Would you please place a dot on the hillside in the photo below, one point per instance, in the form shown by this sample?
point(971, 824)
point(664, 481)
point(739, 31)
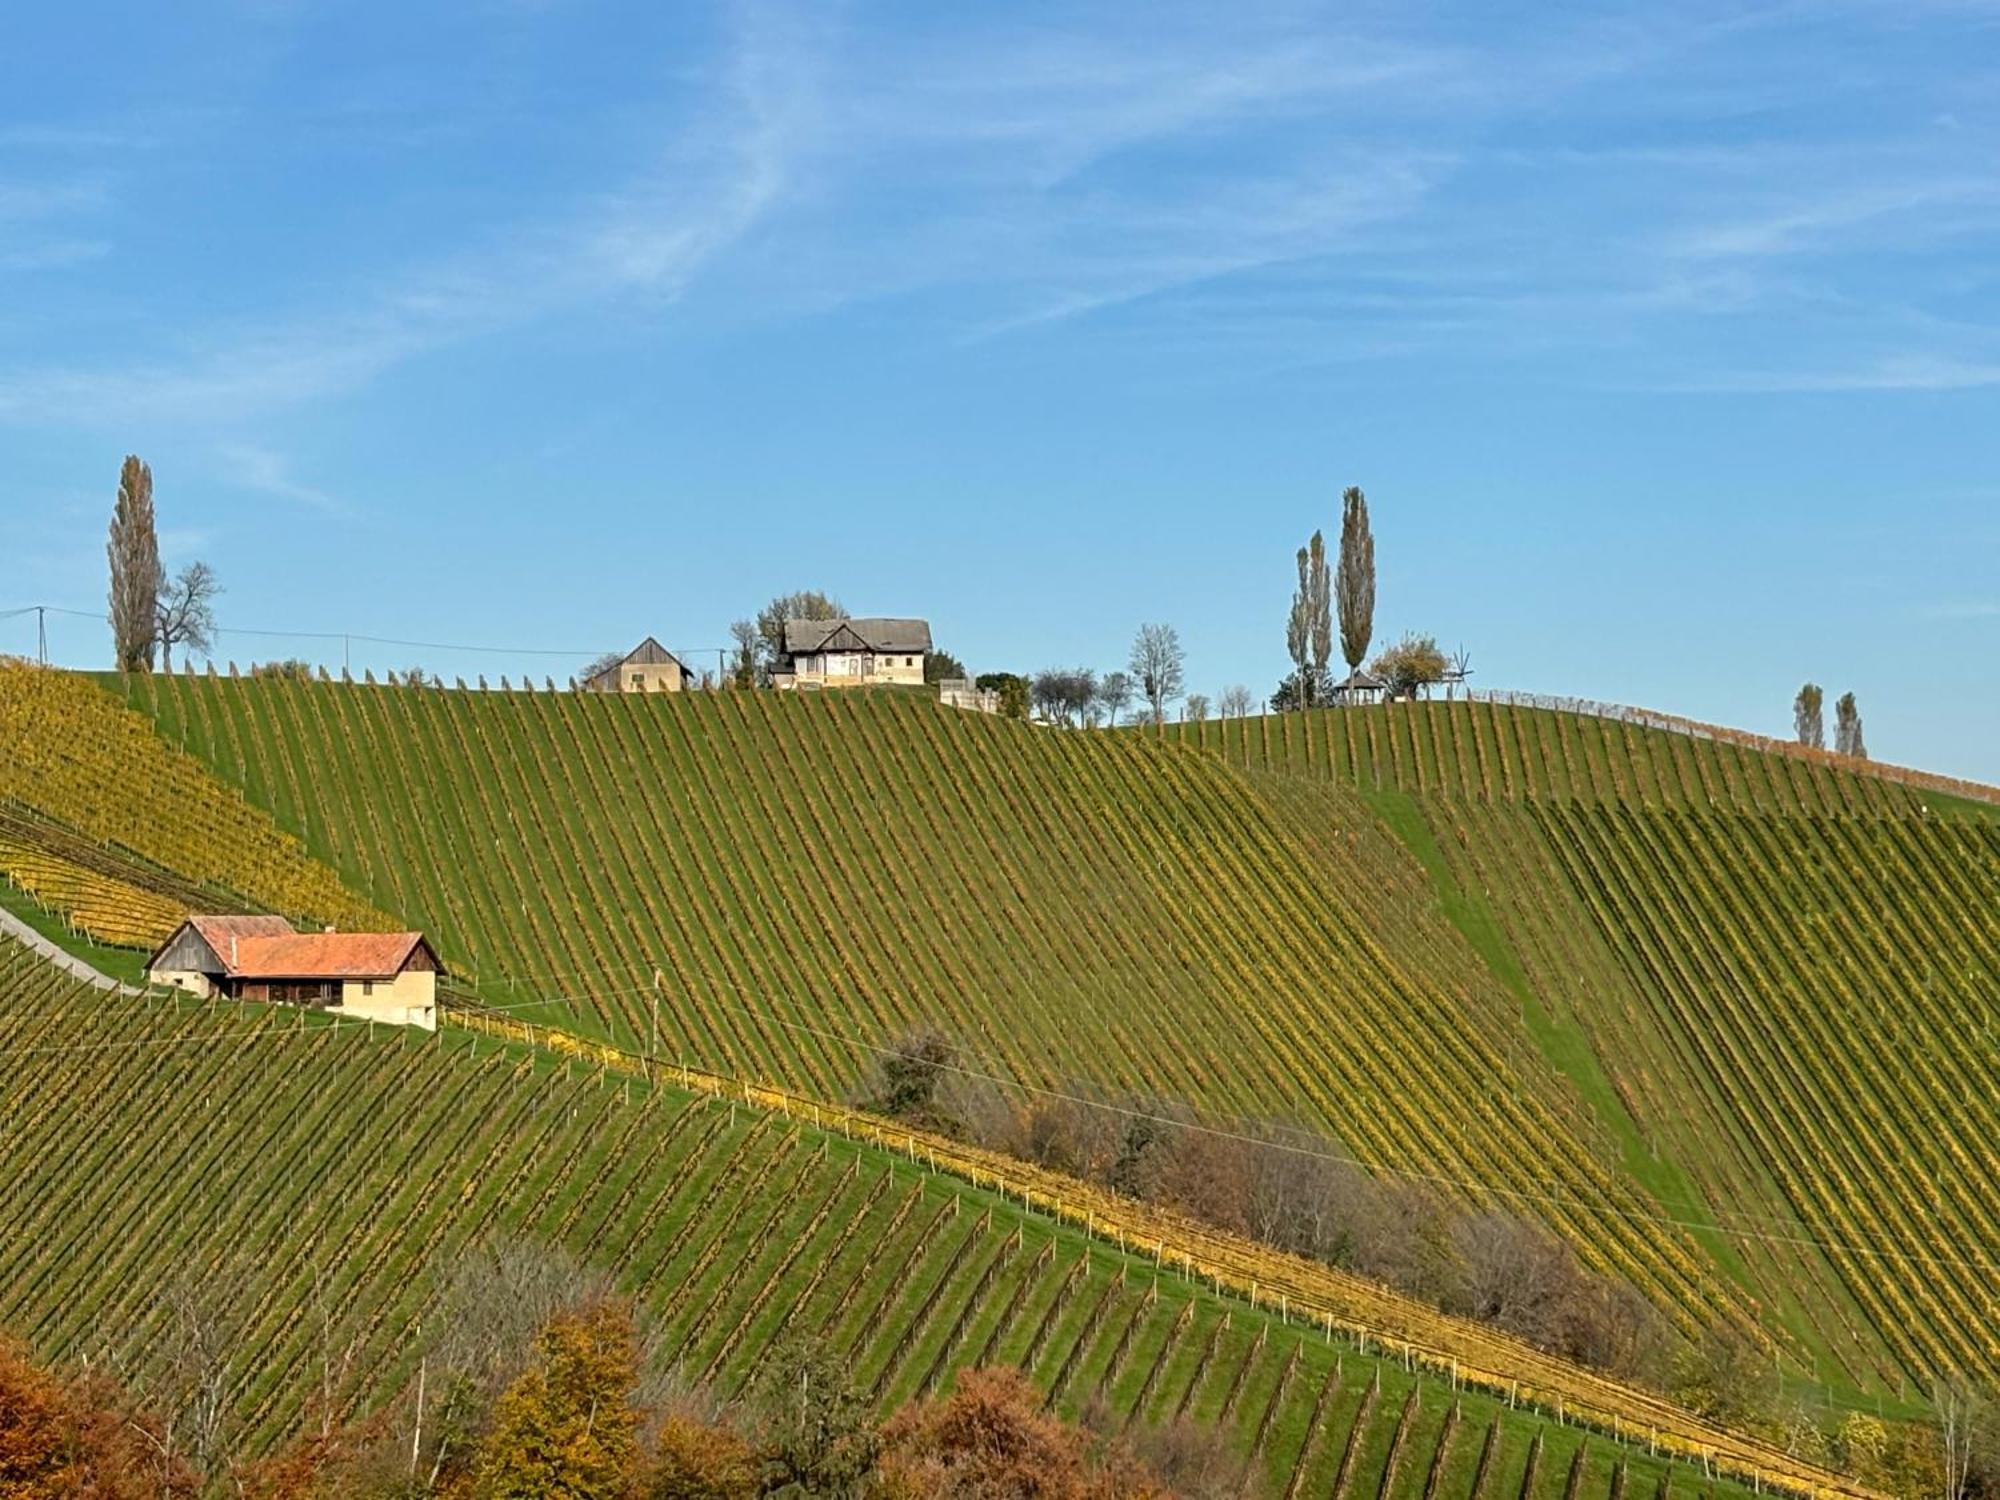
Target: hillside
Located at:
point(1784, 975)
point(105, 823)
point(1722, 1017)
point(248, 1146)
point(809, 876)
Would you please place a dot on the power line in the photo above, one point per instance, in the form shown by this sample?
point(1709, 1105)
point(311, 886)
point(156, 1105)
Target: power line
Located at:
point(373, 640)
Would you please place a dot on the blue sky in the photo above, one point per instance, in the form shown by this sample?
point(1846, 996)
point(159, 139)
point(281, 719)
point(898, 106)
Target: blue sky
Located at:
point(1665, 340)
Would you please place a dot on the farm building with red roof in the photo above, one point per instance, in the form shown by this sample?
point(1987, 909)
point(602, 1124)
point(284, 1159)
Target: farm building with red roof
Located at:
point(382, 976)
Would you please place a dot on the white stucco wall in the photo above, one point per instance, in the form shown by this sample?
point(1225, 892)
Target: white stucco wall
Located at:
point(410, 999)
point(183, 979)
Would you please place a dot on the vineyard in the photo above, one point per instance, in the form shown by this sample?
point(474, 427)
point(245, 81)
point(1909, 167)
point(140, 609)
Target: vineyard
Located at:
point(1792, 968)
point(105, 822)
point(147, 1140)
point(779, 883)
point(1722, 1017)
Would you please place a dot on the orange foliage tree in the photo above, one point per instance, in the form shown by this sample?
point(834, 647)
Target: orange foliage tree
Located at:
point(66, 1437)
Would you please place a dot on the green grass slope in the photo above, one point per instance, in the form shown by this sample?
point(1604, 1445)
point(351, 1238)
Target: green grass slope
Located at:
point(317, 1166)
point(1775, 979)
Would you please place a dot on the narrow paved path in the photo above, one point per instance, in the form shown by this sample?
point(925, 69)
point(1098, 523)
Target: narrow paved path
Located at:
point(14, 927)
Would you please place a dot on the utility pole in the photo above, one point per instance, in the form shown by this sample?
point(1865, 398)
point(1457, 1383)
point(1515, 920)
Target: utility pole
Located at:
point(42, 633)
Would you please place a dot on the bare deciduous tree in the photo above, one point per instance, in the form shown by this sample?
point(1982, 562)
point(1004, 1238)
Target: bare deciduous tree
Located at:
point(1114, 691)
point(1309, 628)
point(1847, 728)
point(804, 604)
point(185, 612)
point(597, 666)
point(1354, 583)
point(744, 646)
point(494, 1300)
point(1808, 719)
point(1236, 701)
point(1160, 667)
point(1197, 708)
point(134, 553)
point(1968, 1432)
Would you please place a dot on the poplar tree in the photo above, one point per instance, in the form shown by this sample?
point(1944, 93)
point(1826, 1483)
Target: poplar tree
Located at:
point(1354, 582)
point(1808, 719)
point(1309, 629)
point(134, 553)
point(1847, 728)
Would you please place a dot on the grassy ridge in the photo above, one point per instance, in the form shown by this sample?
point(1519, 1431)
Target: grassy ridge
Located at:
point(809, 875)
point(254, 1144)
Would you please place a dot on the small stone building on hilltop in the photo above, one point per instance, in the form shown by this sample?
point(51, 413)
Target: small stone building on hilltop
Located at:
point(648, 667)
point(852, 653)
point(378, 976)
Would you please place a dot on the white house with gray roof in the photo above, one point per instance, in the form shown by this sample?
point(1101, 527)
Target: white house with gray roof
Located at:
point(852, 653)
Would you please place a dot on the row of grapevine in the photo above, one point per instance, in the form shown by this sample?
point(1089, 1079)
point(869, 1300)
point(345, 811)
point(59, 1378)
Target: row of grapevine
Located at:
point(1510, 752)
point(770, 886)
point(323, 1172)
point(74, 755)
point(108, 909)
point(1847, 1022)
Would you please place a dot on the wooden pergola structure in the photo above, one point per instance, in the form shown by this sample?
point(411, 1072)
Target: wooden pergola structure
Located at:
point(1359, 687)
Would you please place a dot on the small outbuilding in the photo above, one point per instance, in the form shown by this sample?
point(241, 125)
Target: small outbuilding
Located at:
point(1359, 687)
point(379, 976)
point(648, 667)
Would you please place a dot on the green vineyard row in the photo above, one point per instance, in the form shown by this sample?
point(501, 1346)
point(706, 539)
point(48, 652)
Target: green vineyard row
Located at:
point(773, 886)
point(313, 1165)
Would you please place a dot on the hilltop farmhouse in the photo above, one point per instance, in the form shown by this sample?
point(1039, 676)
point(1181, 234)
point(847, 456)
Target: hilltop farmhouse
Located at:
point(379, 976)
point(648, 667)
point(852, 653)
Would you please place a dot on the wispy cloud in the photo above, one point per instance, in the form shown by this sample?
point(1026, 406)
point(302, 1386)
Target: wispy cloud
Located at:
point(268, 473)
point(27, 201)
point(1911, 372)
point(52, 255)
point(650, 237)
point(1899, 207)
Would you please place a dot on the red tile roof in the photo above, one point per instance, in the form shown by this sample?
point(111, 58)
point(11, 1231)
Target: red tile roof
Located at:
point(323, 955)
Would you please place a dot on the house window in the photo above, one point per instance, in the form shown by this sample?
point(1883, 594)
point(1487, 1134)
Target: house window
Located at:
point(367, 986)
point(638, 681)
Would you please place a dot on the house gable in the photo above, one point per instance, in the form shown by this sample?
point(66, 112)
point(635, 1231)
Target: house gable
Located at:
point(186, 952)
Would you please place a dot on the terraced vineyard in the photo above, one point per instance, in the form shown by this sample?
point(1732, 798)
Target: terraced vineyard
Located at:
point(1789, 973)
point(142, 1140)
point(116, 811)
point(808, 876)
point(107, 908)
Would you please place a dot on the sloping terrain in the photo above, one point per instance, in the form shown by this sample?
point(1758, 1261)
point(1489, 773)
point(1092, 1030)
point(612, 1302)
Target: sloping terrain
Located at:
point(105, 822)
point(778, 883)
point(1722, 1017)
point(1786, 974)
point(324, 1173)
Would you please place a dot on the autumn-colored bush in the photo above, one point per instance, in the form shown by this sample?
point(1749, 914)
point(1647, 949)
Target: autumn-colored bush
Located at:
point(63, 1437)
